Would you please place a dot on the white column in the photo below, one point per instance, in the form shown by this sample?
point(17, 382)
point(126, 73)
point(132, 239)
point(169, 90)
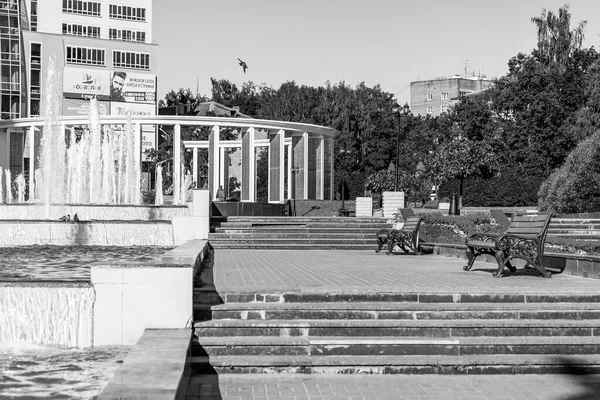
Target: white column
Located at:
point(248, 175)
point(332, 166)
point(321, 169)
point(177, 165)
point(222, 167)
point(289, 170)
point(31, 134)
point(305, 165)
point(213, 162)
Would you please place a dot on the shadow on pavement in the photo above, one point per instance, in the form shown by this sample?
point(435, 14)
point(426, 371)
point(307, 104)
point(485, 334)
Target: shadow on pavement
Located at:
point(586, 377)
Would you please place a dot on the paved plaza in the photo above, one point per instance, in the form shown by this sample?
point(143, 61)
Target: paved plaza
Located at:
point(269, 271)
point(394, 387)
point(362, 271)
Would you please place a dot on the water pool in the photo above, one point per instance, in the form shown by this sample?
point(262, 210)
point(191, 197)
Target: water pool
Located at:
point(50, 373)
point(66, 263)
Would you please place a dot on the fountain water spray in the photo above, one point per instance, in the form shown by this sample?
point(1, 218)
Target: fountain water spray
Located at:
point(1, 187)
point(99, 166)
point(20, 180)
point(8, 181)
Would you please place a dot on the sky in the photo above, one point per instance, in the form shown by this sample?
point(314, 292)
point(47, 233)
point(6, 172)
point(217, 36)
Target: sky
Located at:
point(311, 42)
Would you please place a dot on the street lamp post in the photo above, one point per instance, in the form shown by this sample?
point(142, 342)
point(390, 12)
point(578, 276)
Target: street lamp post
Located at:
point(404, 111)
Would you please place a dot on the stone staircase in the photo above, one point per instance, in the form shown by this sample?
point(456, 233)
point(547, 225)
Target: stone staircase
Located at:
point(315, 233)
point(392, 333)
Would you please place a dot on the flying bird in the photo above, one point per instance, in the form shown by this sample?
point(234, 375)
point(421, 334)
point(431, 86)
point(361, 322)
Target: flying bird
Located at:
point(243, 65)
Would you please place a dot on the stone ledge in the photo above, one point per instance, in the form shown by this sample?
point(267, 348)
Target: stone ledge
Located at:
point(156, 367)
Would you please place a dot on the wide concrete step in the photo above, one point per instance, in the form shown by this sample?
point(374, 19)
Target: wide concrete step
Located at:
point(386, 346)
point(408, 311)
point(313, 225)
point(399, 328)
point(330, 240)
point(300, 219)
point(296, 230)
point(434, 364)
point(292, 246)
point(277, 296)
point(294, 235)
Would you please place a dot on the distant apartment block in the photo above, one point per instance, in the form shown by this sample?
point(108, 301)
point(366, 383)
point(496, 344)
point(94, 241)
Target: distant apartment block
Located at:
point(434, 97)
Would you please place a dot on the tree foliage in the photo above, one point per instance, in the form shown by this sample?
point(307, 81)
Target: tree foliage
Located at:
point(556, 40)
point(575, 187)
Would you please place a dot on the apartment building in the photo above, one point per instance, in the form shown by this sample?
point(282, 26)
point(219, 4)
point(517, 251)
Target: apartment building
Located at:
point(100, 48)
point(91, 42)
point(434, 97)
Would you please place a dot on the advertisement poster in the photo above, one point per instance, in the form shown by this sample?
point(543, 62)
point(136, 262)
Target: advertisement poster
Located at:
point(84, 83)
point(133, 109)
point(148, 139)
point(82, 107)
point(132, 87)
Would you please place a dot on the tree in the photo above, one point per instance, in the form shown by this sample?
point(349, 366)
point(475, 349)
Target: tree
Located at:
point(556, 40)
point(575, 187)
point(470, 143)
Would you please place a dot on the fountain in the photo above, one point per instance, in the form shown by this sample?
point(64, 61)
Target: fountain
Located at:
point(99, 166)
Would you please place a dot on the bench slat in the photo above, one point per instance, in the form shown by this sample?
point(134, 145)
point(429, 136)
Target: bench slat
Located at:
point(524, 231)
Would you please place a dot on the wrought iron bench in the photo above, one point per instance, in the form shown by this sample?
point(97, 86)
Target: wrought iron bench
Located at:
point(524, 238)
point(407, 237)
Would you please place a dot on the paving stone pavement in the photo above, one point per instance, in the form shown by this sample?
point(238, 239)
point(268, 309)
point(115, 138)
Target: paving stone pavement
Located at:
point(335, 271)
point(362, 271)
point(393, 387)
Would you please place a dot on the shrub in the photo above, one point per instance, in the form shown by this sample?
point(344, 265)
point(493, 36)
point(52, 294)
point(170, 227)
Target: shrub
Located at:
point(514, 187)
point(575, 187)
point(439, 228)
point(148, 196)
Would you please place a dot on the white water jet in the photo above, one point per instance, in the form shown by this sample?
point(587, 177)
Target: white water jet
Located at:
point(8, 181)
point(20, 180)
point(53, 155)
point(1, 187)
point(31, 315)
point(85, 171)
point(158, 198)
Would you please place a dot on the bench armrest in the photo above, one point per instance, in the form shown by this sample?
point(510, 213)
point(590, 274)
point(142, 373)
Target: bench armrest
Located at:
point(524, 237)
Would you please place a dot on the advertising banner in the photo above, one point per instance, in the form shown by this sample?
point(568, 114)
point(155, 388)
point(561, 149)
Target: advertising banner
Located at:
point(148, 139)
point(132, 87)
point(84, 83)
point(133, 109)
point(82, 107)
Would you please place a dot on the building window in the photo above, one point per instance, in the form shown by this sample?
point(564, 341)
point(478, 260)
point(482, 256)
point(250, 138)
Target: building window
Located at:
point(464, 92)
point(131, 59)
point(85, 55)
point(444, 96)
point(429, 97)
point(127, 35)
point(444, 108)
point(429, 109)
point(82, 7)
point(81, 30)
point(127, 12)
point(34, 21)
point(9, 4)
point(35, 93)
